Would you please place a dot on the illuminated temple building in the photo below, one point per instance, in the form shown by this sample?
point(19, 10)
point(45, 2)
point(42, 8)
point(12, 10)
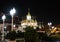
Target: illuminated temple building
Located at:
point(29, 21)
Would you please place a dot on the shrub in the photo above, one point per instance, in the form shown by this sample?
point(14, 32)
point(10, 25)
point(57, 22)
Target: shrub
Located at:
point(11, 35)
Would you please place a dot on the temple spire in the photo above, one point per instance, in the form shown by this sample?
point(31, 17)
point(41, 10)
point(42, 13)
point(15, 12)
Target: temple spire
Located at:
point(28, 12)
point(28, 15)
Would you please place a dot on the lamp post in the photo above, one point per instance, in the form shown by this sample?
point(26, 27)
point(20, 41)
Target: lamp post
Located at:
point(49, 24)
point(12, 12)
point(3, 18)
point(49, 31)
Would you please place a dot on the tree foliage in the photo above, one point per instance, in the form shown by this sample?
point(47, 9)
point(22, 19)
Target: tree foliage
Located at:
point(31, 35)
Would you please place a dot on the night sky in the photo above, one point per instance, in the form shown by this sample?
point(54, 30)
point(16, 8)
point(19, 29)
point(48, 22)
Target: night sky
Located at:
point(46, 11)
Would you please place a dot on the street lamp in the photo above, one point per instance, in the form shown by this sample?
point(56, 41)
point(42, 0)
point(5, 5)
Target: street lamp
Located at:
point(49, 24)
point(12, 12)
point(3, 18)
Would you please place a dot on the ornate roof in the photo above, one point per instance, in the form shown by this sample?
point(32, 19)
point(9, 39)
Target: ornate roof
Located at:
point(28, 20)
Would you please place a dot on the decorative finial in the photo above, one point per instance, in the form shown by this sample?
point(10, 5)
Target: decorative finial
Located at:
point(28, 9)
point(28, 12)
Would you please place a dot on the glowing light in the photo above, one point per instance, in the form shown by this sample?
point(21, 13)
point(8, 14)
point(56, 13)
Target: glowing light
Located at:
point(12, 12)
point(50, 24)
point(3, 17)
point(14, 25)
point(28, 17)
point(52, 27)
point(5, 27)
point(34, 27)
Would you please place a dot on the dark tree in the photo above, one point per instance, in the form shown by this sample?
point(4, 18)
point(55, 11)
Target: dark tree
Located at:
point(31, 35)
